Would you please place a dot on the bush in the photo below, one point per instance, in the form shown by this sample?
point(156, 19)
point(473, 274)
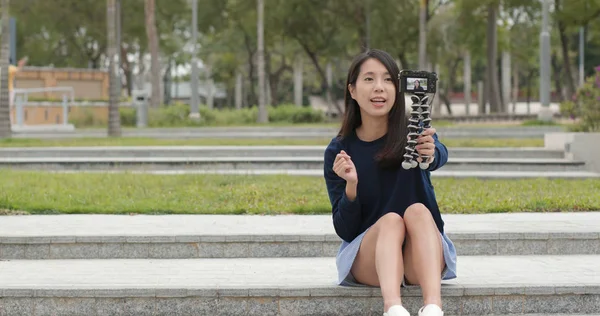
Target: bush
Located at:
point(128, 116)
point(85, 117)
point(538, 123)
point(293, 114)
point(585, 105)
point(177, 115)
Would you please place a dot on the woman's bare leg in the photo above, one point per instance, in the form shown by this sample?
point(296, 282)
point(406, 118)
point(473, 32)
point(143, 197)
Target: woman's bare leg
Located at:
point(379, 261)
point(423, 253)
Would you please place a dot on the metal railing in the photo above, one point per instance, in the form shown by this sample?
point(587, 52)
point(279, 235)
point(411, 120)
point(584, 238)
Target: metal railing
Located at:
point(22, 95)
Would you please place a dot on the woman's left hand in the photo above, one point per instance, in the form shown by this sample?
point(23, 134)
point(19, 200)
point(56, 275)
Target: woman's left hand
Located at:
point(426, 144)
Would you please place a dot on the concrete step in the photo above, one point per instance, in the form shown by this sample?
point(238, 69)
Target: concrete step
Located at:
point(248, 151)
point(43, 128)
point(319, 173)
point(269, 163)
point(289, 132)
point(287, 286)
point(245, 236)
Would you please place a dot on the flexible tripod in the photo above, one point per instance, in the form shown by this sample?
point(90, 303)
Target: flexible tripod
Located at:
point(420, 119)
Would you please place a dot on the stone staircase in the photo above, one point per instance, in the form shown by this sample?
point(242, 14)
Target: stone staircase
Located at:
point(286, 132)
point(508, 264)
point(306, 160)
point(249, 151)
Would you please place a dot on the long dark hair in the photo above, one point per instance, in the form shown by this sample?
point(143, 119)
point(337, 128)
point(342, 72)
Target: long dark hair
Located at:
point(391, 154)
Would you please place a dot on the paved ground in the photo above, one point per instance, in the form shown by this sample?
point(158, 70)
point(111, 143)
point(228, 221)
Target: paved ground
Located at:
point(501, 284)
point(220, 225)
point(553, 271)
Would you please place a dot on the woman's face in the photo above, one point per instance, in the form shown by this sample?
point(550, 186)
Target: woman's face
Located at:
point(417, 83)
point(374, 90)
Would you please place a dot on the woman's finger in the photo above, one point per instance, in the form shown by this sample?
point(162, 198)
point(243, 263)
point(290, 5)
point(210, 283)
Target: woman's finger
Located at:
point(426, 146)
point(341, 166)
point(429, 131)
point(426, 139)
point(341, 170)
point(338, 164)
point(337, 170)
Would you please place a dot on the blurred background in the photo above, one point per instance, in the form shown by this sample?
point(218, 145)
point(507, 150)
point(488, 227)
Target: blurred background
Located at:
point(169, 63)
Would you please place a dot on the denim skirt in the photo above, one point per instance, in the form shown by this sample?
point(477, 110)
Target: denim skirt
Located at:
point(348, 251)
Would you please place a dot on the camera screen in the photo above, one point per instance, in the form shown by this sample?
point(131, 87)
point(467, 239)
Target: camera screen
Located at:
point(416, 84)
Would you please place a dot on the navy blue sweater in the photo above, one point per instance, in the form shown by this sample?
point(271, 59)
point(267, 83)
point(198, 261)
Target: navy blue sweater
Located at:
point(379, 191)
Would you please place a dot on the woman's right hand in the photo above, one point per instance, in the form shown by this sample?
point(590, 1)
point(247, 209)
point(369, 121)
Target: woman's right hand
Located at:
point(344, 167)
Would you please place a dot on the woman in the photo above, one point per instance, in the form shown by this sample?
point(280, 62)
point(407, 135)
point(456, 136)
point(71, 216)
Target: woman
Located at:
point(418, 86)
point(387, 217)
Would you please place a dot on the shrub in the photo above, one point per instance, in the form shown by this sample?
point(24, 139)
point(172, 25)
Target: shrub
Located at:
point(538, 123)
point(290, 113)
point(85, 117)
point(128, 116)
point(177, 115)
point(585, 105)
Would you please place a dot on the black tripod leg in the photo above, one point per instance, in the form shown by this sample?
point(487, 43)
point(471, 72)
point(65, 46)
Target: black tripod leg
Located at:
point(413, 128)
point(426, 117)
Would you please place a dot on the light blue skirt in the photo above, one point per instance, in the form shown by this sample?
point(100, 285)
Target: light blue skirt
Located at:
point(347, 253)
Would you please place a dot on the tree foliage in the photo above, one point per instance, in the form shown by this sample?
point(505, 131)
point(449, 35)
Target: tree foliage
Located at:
point(71, 33)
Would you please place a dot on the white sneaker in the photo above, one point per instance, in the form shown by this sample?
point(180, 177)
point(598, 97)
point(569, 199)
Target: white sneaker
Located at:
point(431, 310)
point(397, 310)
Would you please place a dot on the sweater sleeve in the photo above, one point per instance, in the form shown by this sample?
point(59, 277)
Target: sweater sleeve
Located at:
point(441, 154)
point(346, 214)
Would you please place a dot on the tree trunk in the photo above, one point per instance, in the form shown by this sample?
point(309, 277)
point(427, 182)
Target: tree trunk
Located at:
point(515, 89)
point(324, 85)
point(529, 81)
point(467, 81)
point(168, 83)
point(5, 129)
point(367, 24)
point(249, 94)
point(481, 96)
point(565, 52)
point(262, 109)
point(506, 69)
point(492, 56)
point(269, 82)
point(453, 67)
point(114, 119)
point(423, 35)
point(298, 72)
point(141, 76)
point(557, 75)
point(209, 84)
point(239, 83)
point(127, 70)
point(152, 35)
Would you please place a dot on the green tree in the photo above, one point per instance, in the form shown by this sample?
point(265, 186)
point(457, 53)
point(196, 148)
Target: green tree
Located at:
point(53, 35)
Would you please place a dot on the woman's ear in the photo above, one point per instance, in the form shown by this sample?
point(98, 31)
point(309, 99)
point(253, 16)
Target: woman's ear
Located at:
point(352, 90)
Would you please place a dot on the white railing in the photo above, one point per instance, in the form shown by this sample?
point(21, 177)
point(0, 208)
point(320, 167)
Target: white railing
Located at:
point(22, 95)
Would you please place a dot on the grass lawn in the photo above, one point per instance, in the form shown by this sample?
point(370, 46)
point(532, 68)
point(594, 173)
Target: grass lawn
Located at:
point(450, 142)
point(48, 193)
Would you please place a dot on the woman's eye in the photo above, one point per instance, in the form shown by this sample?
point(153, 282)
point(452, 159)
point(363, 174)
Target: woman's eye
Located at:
point(388, 79)
point(368, 79)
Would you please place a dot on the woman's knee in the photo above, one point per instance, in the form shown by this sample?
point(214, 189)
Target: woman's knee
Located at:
point(417, 214)
point(391, 222)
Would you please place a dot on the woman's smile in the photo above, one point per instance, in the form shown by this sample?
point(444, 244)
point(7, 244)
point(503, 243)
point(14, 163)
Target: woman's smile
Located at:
point(378, 102)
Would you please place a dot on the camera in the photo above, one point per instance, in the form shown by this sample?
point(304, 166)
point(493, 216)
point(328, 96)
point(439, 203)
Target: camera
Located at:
point(412, 81)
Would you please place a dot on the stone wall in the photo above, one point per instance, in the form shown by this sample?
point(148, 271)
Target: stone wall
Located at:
point(45, 113)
